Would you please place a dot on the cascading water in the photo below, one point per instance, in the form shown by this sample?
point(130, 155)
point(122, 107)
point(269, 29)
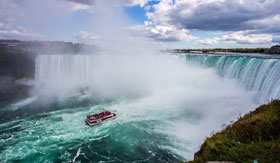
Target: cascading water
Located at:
point(255, 74)
point(165, 106)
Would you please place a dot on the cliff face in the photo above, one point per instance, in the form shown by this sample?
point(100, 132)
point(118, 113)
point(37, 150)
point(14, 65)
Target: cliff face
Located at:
point(256, 136)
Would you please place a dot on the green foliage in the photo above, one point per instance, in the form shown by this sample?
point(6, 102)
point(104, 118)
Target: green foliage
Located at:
point(256, 136)
point(234, 50)
point(273, 50)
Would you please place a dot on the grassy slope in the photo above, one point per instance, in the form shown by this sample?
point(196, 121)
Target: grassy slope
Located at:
point(256, 136)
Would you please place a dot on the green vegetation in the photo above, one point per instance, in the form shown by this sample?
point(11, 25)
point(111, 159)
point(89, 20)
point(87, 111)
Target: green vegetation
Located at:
point(256, 136)
point(234, 50)
point(273, 50)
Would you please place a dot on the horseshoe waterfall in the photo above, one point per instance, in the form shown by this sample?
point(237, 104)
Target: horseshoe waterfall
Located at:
point(162, 102)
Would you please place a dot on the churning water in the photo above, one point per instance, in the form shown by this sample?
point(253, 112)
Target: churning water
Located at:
point(166, 106)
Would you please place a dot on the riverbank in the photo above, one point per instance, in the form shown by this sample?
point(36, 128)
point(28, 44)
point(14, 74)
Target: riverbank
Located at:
point(256, 136)
point(272, 50)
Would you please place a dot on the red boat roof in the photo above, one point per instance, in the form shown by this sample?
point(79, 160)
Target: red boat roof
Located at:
point(99, 115)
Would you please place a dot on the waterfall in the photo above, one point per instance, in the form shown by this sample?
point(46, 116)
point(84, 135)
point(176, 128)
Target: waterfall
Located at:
point(255, 74)
point(76, 67)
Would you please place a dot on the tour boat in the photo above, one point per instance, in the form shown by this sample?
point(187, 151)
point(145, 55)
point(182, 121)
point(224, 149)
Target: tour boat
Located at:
point(99, 118)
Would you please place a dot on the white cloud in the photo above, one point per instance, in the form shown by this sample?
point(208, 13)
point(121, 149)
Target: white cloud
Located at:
point(247, 21)
point(209, 41)
point(135, 2)
point(276, 39)
point(241, 38)
point(86, 37)
point(20, 34)
point(78, 6)
point(87, 4)
point(44, 16)
point(267, 25)
point(9, 11)
point(215, 15)
point(162, 33)
point(2, 25)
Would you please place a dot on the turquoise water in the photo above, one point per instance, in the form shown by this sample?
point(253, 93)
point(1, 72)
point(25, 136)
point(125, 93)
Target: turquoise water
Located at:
point(62, 136)
point(255, 74)
point(165, 108)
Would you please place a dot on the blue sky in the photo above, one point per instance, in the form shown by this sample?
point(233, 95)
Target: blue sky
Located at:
point(137, 13)
point(176, 24)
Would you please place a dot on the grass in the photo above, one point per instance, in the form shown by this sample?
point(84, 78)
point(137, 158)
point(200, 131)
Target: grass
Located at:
point(256, 136)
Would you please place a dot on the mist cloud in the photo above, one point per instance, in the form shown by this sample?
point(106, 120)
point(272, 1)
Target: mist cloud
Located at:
point(86, 37)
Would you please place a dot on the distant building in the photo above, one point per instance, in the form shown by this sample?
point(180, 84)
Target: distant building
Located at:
point(275, 49)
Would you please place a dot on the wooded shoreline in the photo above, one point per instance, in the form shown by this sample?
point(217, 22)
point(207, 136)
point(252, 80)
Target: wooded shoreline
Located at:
point(272, 50)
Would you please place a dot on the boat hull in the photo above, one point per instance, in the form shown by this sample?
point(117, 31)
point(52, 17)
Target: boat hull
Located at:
point(100, 122)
